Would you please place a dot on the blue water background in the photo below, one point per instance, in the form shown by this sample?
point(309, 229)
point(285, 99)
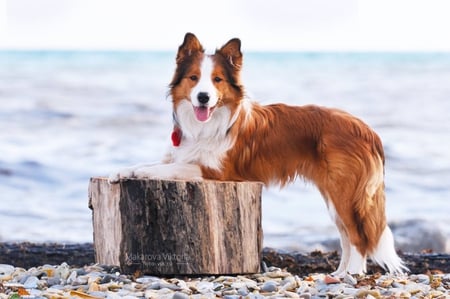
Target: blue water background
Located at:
point(66, 116)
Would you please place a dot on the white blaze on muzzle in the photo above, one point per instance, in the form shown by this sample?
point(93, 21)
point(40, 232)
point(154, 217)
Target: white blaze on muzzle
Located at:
point(204, 95)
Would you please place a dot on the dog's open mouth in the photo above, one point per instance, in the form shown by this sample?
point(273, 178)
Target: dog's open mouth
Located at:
point(203, 113)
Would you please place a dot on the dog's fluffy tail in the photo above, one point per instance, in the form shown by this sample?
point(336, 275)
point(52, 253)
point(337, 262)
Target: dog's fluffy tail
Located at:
point(383, 251)
point(385, 254)
point(379, 241)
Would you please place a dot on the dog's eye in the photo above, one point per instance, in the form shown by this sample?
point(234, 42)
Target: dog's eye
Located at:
point(217, 79)
point(193, 78)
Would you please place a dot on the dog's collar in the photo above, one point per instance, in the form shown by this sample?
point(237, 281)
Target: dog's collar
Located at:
point(177, 134)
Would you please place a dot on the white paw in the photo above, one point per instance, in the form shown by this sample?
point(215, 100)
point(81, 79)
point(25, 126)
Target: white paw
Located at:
point(123, 174)
point(172, 171)
point(169, 172)
point(339, 273)
point(150, 172)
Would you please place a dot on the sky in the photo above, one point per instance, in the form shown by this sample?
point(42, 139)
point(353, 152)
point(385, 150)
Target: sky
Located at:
point(280, 25)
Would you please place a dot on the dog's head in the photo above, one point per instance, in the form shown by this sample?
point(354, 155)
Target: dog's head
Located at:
point(208, 82)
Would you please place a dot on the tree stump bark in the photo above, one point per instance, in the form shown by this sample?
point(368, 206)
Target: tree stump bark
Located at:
point(177, 227)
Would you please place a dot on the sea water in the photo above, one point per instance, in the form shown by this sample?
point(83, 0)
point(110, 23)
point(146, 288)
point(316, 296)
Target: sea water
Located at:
point(67, 116)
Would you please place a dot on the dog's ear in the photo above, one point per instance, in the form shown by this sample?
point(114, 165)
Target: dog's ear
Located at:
point(190, 46)
point(232, 52)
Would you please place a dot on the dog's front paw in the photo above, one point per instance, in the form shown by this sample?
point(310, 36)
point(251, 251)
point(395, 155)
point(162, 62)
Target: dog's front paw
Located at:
point(147, 173)
point(171, 171)
point(123, 174)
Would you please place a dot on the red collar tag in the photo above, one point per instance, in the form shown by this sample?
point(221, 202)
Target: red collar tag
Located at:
point(176, 136)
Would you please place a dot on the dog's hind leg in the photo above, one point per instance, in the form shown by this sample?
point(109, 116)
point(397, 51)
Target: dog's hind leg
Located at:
point(345, 252)
point(349, 189)
point(353, 260)
point(349, 260)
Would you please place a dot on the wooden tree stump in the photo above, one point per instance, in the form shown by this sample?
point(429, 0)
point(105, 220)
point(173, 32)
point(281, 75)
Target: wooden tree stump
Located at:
point(177, 227)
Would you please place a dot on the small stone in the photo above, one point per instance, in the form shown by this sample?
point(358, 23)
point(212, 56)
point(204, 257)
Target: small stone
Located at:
point(336, 288)
point(331, 279)
point(249, 283)
point(238, 284)
point(48, 270)
point(96, 294)
point(57, 287)
point(422, 278)
point(205, 287)
point(290, 294)
point(349, 291)
point(72, 277)
point(269, 286)
point(23, 278)
point(80, 271)
point(180, 295)
point(147, 279)
point(231, 296)
point(19, 273)
point(289, 284)
point(34, 293)
point(397, 285)
point(365, 293)
point(277, 274)
point(305, 296)
point(83, 279)
point(107, 278)
point(31, 282)
point(218, 286)
point(386, 283)
point(181, 285)
point(229, 291)
point(6, 271)
point(303, 287)
point(349, 279)
point(62, 271)
point(243, 291)
point(51, 281)
point(164, 284)
point(53, 292)
point(94, 287)
point(436, 294)
point(155, 285)
point(414, 288)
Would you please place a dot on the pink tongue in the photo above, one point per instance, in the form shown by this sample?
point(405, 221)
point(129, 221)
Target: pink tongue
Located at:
point(202, 113)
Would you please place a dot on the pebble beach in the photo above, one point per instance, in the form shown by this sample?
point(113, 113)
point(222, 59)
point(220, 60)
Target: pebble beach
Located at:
point(96, 281)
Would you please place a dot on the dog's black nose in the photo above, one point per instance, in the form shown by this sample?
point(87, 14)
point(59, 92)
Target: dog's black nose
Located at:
point(203, 97)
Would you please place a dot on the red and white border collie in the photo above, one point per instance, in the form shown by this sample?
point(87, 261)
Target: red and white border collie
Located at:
point(220, 135)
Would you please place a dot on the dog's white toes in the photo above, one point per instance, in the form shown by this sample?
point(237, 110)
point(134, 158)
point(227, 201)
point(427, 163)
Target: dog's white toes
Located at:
point(339, 274)
point(126, 173)
point(145, 173)
point(114, 178)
